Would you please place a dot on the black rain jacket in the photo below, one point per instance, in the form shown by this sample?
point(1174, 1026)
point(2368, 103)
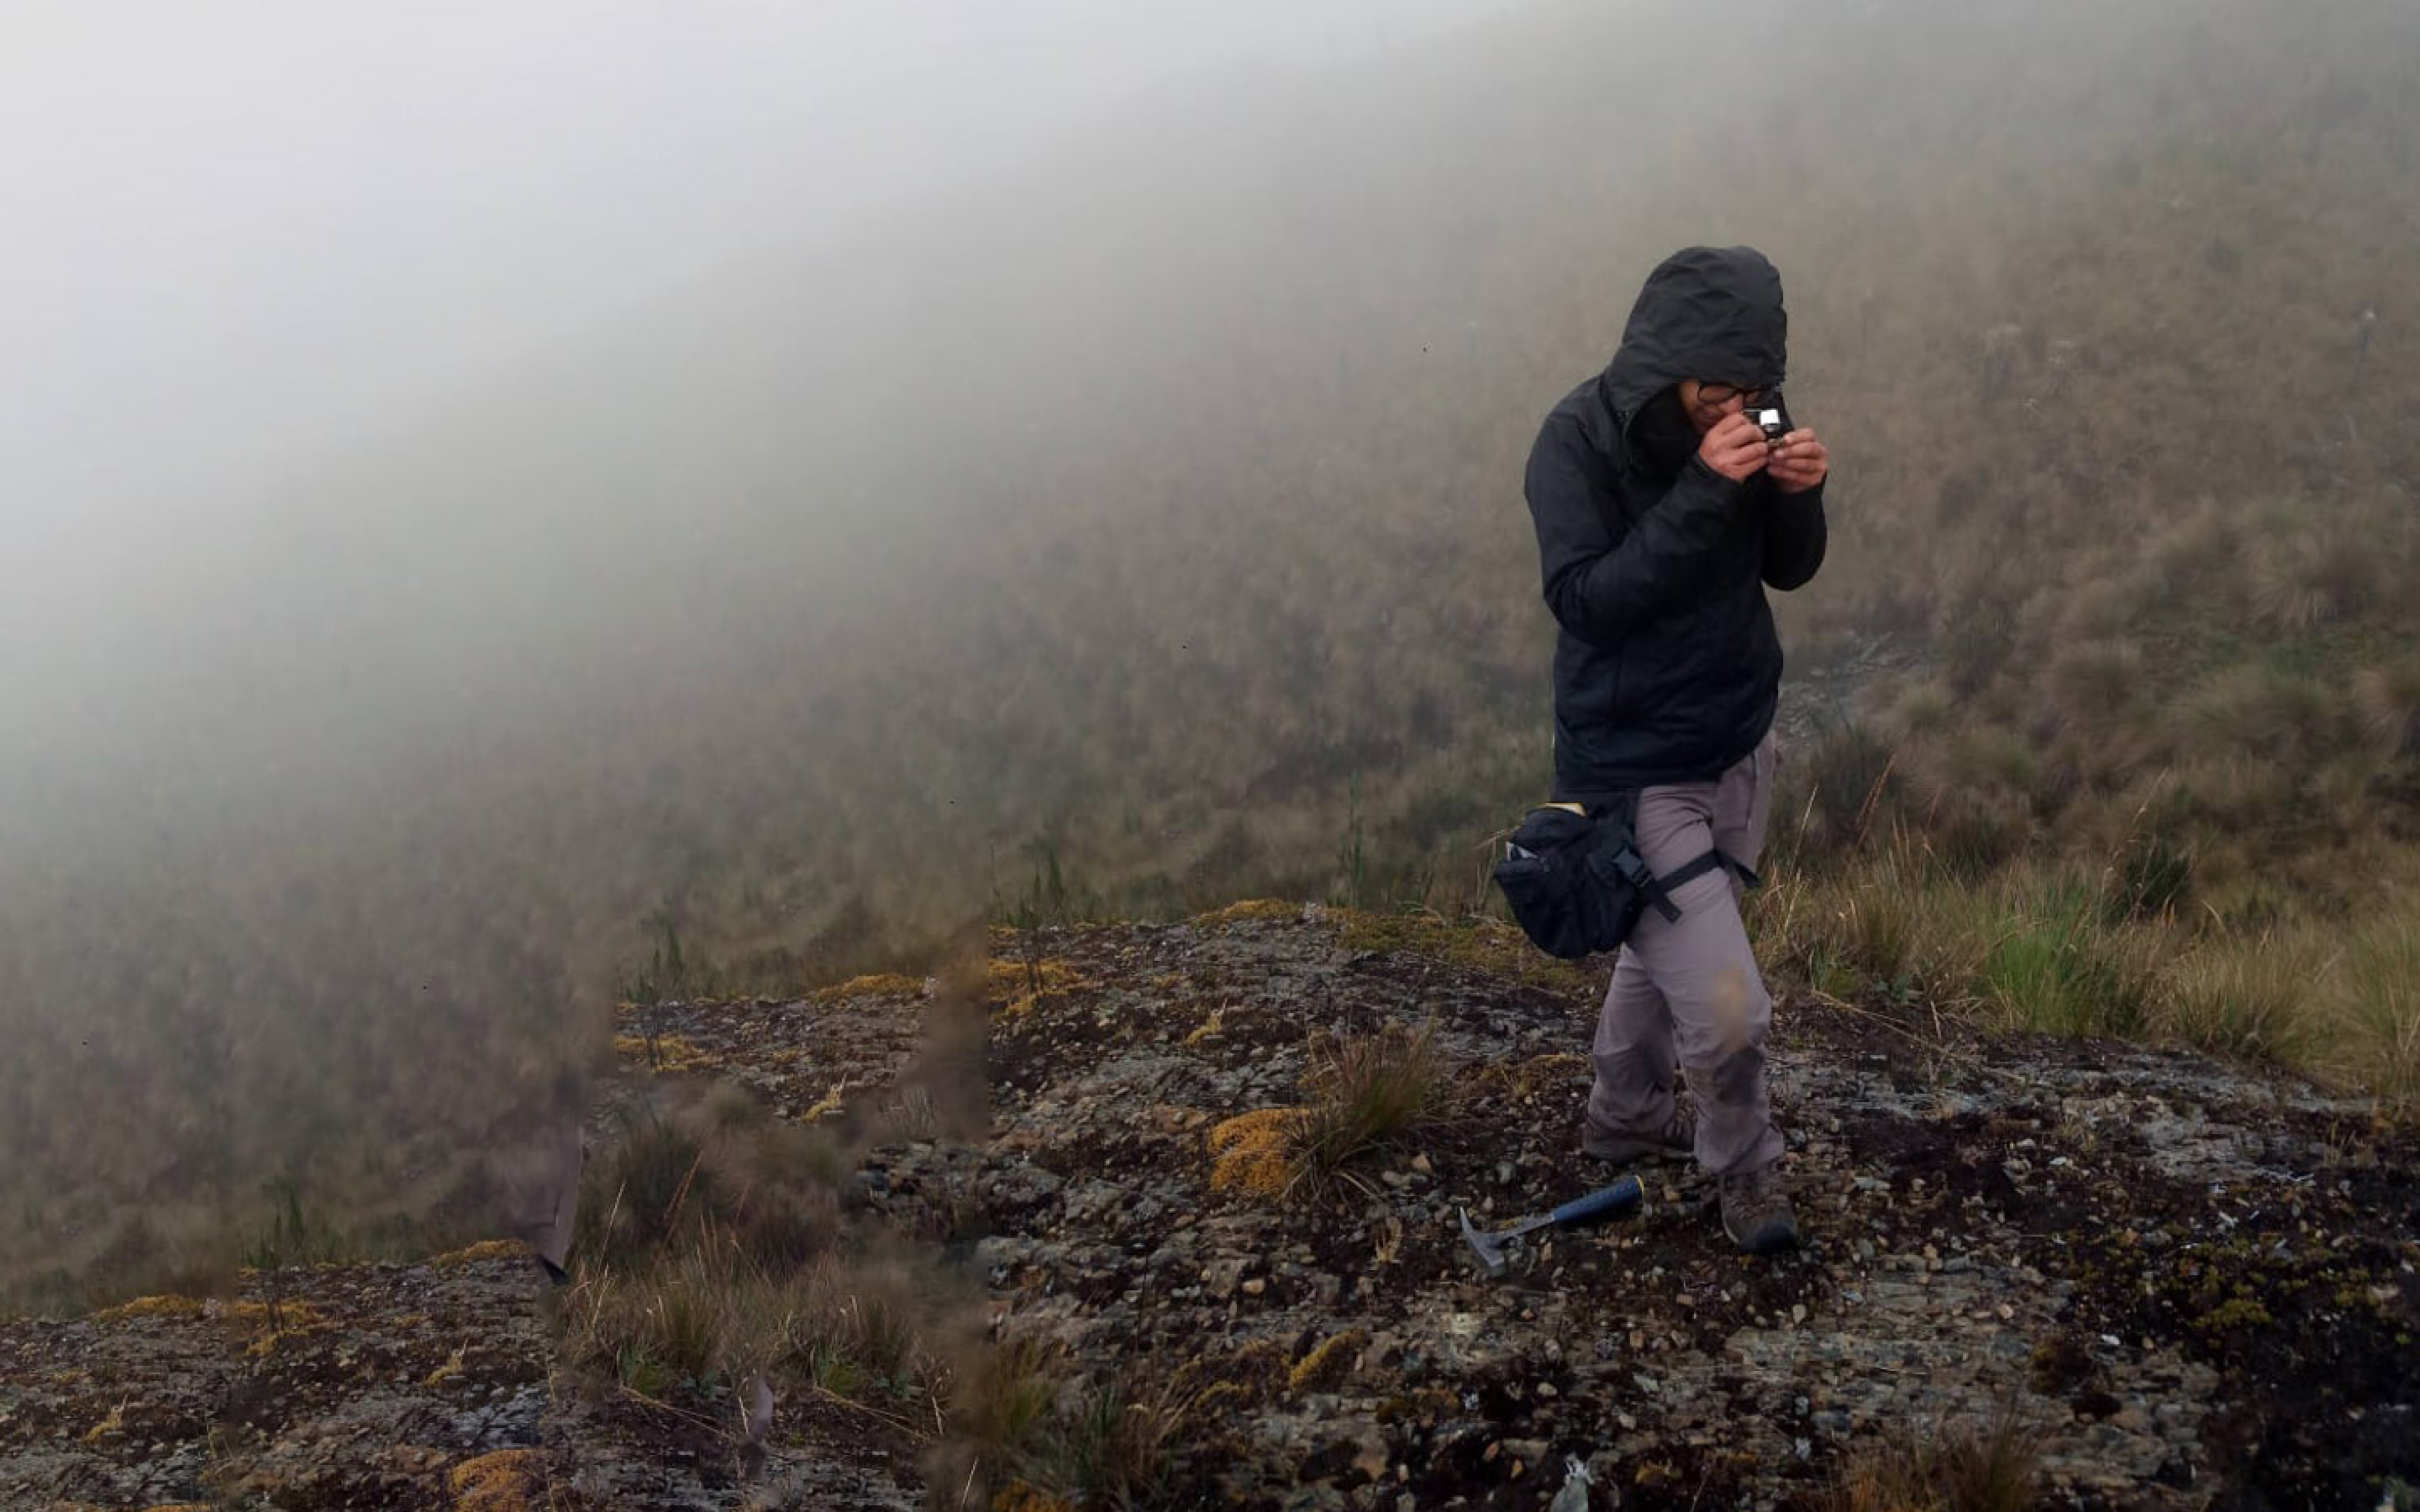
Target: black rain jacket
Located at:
point(1667, 668)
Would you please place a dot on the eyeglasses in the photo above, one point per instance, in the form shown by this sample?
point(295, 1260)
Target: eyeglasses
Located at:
point(1723, 394)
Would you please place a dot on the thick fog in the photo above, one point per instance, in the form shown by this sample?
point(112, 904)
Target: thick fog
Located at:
point(241, 234)
point(488, 488)
point(247, 240)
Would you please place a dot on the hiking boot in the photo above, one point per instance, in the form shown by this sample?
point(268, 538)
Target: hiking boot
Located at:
point(1676, 1140)
point(1756, 1212)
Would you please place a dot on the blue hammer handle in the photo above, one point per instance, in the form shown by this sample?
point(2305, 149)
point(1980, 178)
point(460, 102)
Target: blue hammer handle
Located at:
point(1605, 1202)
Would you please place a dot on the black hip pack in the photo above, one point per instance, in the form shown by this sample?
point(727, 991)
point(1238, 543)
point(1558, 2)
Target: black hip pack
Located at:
point(1577, 885)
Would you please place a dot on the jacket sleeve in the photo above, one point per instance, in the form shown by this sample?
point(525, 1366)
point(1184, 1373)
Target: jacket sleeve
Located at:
point(1601, 578)
point(1795, 534)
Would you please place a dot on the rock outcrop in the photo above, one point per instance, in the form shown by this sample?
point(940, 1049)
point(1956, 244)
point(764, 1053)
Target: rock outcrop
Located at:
point(2184, 1283)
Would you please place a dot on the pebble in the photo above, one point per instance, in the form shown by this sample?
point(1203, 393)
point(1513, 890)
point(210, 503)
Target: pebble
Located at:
point(1903, 1348)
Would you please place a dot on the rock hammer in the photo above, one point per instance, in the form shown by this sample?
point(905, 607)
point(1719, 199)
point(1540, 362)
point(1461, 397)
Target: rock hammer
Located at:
point(1603, 1202)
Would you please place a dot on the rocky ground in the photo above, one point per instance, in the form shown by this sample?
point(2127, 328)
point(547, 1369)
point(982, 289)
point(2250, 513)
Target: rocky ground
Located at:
point(2191, 1285)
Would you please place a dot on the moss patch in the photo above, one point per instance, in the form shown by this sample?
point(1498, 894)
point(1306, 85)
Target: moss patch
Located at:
point(1252, 1154)
point(667, 1054)
point(1016, 986)
point(150, 1307)
point(884, 984)
point(508, 1480)
point(1476, 943)
point(1328, 1363)
point(1252, 910)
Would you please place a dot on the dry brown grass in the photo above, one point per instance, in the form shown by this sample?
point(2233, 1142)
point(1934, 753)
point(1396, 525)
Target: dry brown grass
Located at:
point(1255, 1153)
point(1362, 1093)
point(1367, 1090)
point(2370, 1007)
point(1995, 1468)
point(508, 1480)
point(2250, 996)
point(1027, 1429)
point(702, 1316)
point(2389, 699)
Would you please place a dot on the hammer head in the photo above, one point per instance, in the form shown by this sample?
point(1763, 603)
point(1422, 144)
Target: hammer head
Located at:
point(1490, 1247)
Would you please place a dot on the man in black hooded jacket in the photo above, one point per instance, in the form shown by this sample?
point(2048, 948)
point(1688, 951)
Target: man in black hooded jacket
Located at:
point(1663, 513)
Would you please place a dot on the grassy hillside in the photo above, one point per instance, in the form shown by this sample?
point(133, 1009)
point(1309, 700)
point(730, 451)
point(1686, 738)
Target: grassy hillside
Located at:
point(1174, 551)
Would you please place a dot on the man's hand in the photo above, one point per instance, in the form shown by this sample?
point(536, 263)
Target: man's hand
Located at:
point(1798, 462)
point(1735, 448)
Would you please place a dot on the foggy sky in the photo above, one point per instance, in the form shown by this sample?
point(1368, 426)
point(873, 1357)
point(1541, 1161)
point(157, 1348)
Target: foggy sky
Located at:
point(241, 234)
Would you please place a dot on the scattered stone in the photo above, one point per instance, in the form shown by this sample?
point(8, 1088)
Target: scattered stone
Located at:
point(1353, 1354)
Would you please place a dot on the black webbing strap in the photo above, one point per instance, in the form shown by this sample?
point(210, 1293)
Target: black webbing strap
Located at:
point(1658, 890)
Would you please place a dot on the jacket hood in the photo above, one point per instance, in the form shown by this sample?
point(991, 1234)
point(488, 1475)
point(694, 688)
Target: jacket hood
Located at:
point(1705, 313)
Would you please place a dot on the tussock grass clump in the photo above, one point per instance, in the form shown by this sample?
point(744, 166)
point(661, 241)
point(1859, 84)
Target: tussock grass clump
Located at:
point(697, 1256)
point(2127, 953)
point(1031, 1433)
point(2062, 968)
point(1370, 1089)
point(707, 1164)
point(2389, 699)
point(2093, 683)
point(1896, 919)
point(705, 1314)
point(2151, 878)
point(2267, 711)
point(701, 1318)
point(2307, 573)
point(1924, 709)
point(1848, 777)
point(1364, 1093)
point(2250, 997)
point(710, 1252)
point(2371, 1008)
point(1995, 1468)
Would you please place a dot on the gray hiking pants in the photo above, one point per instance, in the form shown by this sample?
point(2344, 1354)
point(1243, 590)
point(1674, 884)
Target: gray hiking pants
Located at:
point(1687, 989)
